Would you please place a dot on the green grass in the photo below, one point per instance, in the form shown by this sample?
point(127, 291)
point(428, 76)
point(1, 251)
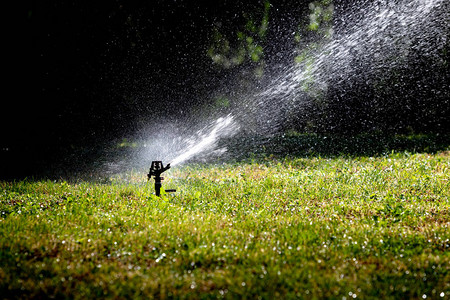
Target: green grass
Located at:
point(361, 227)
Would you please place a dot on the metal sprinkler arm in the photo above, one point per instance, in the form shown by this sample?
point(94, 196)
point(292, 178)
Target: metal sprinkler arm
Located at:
point(156, 169)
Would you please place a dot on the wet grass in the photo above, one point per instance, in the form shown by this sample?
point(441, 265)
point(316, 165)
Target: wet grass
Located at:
point(343, 227)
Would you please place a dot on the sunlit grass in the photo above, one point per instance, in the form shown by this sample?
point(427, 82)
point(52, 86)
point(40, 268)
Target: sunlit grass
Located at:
point(367, 227)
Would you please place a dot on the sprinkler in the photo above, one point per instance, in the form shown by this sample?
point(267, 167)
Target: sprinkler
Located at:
point(155, 170)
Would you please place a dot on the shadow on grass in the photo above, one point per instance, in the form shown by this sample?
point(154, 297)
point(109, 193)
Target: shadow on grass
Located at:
point(310, 145)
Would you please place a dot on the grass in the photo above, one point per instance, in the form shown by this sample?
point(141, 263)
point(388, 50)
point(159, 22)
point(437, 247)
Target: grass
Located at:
point(344, 228)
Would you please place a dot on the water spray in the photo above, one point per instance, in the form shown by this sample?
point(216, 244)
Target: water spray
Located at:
point(156, 169)
point(382, 40)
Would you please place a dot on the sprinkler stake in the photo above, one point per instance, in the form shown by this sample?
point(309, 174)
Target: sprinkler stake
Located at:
point(156, 169)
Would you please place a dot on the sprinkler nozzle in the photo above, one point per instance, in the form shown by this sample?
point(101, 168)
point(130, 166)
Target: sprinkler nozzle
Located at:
point(156, 169)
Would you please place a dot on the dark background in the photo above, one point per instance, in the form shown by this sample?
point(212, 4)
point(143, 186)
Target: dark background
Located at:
point(80, 74)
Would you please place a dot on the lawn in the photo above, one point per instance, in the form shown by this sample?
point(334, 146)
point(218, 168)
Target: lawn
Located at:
point(273, 227)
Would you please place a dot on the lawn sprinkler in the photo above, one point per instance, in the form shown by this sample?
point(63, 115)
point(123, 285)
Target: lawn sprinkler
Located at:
point(155, 170)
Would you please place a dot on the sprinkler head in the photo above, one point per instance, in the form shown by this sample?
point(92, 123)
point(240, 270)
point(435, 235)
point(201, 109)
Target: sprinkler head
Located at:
point(156, 169)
